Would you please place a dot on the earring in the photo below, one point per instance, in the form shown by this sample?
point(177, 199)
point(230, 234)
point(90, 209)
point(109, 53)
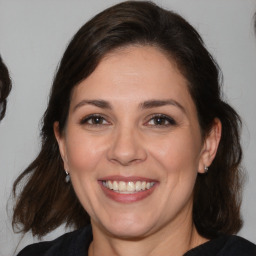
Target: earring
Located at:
point(67, 178)
point(205, 169)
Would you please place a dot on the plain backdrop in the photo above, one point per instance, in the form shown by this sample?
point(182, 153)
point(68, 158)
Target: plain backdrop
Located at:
point(33, 37)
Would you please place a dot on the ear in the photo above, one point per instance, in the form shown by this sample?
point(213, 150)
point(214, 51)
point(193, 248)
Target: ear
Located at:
point(62, 145)
point(210, 146)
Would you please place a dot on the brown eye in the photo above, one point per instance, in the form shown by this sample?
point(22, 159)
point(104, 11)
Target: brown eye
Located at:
point(161, 120)
point(94, 120)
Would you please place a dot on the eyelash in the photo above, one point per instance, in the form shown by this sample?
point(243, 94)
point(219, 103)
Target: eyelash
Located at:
point(162, 118)
point(87, 119)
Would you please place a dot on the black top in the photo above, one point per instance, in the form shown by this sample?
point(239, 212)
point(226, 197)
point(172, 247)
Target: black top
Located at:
point(76, 243)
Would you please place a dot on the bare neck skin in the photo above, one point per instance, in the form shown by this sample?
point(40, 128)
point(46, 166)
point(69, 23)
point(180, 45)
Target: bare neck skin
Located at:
point(174, 239)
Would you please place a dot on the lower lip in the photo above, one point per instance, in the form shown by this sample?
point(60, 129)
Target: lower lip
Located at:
point(127, 198)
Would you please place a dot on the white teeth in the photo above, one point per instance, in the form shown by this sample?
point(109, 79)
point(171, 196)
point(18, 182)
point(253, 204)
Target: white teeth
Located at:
point(138, 185)
point(115, 186)
point(110, 184)
point(122, 186)
point(128, 187)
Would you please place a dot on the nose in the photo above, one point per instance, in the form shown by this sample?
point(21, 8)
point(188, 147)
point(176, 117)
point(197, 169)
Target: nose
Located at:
point(127, 147)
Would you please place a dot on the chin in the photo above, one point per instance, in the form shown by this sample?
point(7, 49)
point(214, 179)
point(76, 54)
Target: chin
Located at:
point(129, 229)
point(129, 234)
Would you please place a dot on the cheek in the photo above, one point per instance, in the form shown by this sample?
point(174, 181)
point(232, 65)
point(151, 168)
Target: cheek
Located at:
point(178, 153)
point(83, 153)
point(178, 158)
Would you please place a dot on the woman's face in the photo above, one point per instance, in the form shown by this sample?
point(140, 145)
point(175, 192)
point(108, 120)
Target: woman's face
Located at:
point(132, 144)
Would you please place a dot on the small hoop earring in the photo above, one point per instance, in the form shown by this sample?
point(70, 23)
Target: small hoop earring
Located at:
point(206, 169)
point(67, 178)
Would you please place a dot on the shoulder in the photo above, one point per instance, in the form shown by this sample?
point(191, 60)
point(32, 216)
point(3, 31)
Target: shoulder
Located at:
point(72, 243)
point(236, 245)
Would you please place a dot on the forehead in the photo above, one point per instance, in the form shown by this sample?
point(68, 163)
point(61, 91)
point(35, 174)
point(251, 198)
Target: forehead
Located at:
point(135, 70)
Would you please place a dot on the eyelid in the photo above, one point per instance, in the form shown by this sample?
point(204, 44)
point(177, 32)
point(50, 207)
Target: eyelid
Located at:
point(84, 120)
point(170, 119)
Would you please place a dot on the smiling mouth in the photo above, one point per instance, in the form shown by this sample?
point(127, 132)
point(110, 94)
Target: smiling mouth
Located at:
point(129, 187)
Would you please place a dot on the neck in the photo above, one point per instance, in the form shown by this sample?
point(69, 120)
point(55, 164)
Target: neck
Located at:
point(169, 240)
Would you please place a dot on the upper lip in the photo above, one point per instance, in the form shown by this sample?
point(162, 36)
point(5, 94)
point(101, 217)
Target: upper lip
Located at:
point(126, 179)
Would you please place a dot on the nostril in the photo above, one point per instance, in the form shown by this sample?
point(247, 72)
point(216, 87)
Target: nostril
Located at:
point(127, 157)
point(126, 148)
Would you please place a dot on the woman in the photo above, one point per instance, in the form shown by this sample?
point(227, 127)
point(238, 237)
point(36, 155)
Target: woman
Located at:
point(5, 87)
point(139, 152)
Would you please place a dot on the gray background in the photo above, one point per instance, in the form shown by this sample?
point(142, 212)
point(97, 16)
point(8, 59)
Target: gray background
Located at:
point(33, 36)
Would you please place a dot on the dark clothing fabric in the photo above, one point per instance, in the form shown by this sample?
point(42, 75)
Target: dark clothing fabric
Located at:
point(77, 243)
point(224, 246)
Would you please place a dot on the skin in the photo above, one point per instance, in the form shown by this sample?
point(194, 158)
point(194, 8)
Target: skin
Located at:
point(128, 140)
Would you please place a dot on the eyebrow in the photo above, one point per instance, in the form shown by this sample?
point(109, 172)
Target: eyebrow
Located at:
point(97, 103)
point(144, 105)
point(160, 103)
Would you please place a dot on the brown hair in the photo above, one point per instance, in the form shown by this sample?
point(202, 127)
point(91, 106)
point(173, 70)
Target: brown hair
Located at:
point(46, 201)
point(5, 87)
